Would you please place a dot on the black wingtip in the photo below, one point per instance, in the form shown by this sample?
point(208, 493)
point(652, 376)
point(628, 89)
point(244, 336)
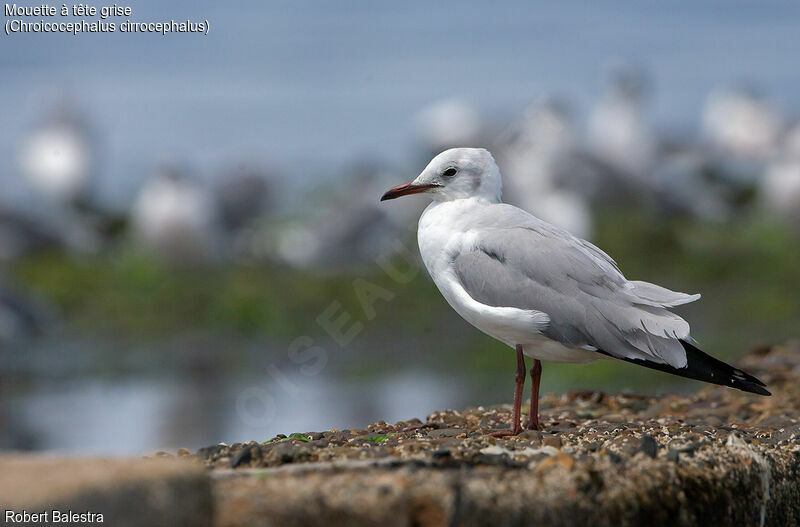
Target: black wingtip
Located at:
point(718, 372)
point(703, 367)
point(758, 389)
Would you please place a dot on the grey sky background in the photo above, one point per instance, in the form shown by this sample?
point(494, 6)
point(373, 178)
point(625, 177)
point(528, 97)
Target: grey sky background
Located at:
point(309, 87)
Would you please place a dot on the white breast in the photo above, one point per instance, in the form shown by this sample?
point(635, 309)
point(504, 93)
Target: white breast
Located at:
point(445, 228)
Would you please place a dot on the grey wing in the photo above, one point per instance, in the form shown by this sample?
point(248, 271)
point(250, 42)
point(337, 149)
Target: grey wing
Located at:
point(588, 300)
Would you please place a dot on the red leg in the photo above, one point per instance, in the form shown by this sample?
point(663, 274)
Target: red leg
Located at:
point(519, 383)
point(536, 376)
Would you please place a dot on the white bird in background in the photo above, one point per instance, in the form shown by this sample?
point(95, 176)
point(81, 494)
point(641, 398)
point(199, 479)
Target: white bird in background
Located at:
point(738, 123)
point(540, 290)
point(58, 158)
point(618, 131)
point(175, 216)
point(534, 162)
point(447, 123)
point(780, 186)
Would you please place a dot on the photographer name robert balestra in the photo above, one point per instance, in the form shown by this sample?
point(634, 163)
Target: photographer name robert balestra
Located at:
point(52, 516)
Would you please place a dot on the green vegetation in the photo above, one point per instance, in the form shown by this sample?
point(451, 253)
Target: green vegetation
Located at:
point(748, 272)
point(136, 295)
point(296, 435)
point(378, 439)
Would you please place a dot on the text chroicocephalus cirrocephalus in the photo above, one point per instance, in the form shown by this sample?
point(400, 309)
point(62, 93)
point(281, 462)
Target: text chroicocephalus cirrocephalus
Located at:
point(547, 294)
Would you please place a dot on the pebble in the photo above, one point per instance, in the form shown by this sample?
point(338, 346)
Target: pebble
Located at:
point(531, 435)
point(649, 446)
point(551, 440)
point(241, 458)
point(445, 432)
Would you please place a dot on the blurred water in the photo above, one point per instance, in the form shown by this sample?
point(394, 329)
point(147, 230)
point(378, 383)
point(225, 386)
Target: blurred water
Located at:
point(307, 86)
point(112, 396)
point(140, 415)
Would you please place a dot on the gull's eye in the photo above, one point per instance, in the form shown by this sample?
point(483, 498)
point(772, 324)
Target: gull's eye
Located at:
point(450, 172)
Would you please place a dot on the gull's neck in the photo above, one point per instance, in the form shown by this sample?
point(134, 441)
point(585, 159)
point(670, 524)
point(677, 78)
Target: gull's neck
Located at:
point(465, 203)
point(446, 214)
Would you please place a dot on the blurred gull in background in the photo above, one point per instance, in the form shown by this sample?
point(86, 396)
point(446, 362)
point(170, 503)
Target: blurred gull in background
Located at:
point(175, 216)
point(58, 158)
point(740, 133)
point(619, 133)
point(780, 186)
point(737, 122)
point(538, 159)
point(447, 123)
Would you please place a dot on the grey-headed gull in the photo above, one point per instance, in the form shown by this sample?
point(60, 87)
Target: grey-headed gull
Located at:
point(58, 157)
point(540, 290)
point(739, 123)
point(175, 216)
point(618, 130)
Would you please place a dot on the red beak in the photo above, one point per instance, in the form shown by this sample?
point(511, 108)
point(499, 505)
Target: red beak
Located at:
point(405, 189)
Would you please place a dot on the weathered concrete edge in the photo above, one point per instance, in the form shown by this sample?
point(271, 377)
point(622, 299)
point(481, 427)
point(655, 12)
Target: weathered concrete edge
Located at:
point(731, 484)
point(127, 492)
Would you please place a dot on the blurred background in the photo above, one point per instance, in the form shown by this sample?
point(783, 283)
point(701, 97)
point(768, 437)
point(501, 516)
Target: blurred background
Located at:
point(192, 248)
